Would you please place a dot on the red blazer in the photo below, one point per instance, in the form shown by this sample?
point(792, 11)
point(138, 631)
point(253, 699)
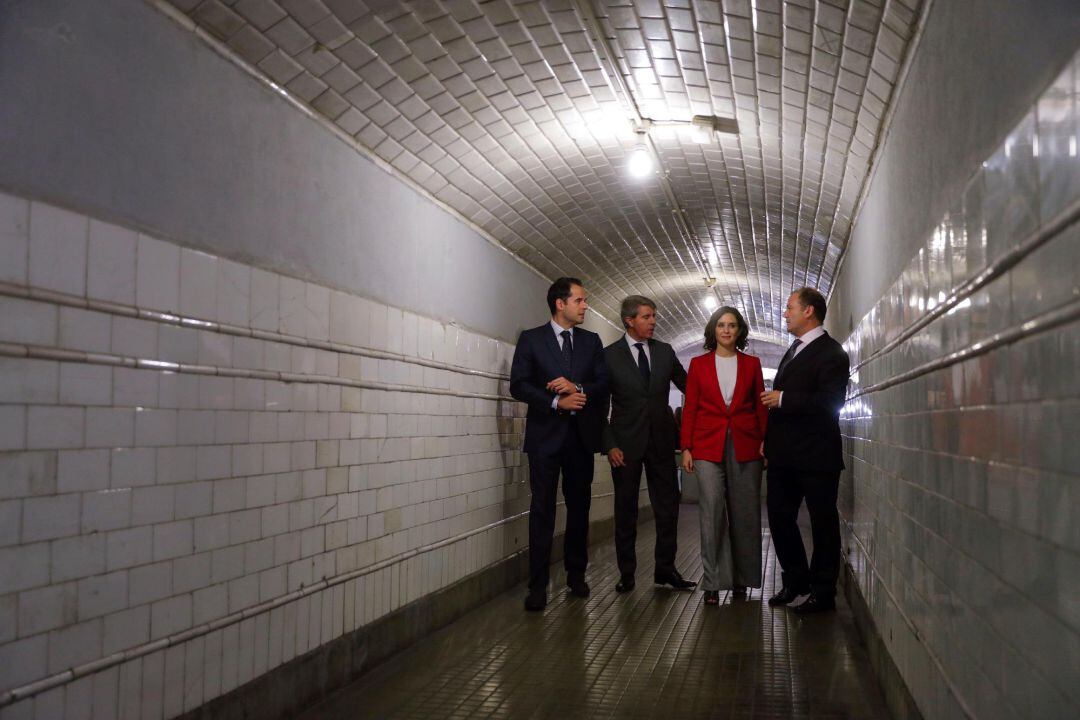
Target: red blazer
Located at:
point(706, 419)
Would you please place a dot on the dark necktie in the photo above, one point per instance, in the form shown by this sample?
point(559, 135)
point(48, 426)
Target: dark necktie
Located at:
point(567, 348)
point(787, 356)
point(642, 362)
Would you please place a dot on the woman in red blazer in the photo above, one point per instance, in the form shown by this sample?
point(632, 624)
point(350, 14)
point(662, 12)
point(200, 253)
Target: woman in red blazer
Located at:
point(723, 426)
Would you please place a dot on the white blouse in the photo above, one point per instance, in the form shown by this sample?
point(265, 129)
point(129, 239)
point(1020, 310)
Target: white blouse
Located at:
point(727, 370)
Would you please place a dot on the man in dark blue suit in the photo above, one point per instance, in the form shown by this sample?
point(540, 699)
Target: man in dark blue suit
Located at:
point(805, 454)
point(558, 371)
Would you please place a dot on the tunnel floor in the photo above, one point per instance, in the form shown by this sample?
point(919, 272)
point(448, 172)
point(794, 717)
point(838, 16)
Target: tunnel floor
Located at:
point(653, 653)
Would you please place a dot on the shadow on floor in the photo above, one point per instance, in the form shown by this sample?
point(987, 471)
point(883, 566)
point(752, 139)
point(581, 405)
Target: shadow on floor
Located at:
point(653, 653)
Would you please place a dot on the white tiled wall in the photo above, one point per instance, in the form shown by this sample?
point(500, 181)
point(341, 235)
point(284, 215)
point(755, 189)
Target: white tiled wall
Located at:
point(183, 437)
point(963, 525)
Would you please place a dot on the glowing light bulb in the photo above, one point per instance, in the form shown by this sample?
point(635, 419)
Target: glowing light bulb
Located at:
point(640, 162)
point(710, 302)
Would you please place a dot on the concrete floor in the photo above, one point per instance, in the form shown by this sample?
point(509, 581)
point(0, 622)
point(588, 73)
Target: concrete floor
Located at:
point(654, 653)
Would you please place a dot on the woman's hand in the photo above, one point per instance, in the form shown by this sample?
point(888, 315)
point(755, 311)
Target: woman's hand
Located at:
point(687, 461)
point(761, 452)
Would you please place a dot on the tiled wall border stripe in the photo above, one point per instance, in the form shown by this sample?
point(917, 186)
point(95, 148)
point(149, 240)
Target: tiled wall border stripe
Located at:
point(38, 295)
point(39, 686)
point(1039, 324)
point(77, 356)
point(969, 287)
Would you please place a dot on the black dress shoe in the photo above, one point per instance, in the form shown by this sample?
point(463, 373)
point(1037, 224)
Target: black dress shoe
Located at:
point(578, 587)
point(625, 584)
point(712, 597)
point(536, 600)
point(675, 580)
point(785, 596)
point(815, 604)
point(739, 590)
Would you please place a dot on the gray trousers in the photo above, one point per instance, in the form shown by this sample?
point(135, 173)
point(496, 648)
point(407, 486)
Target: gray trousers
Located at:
point(729, 506)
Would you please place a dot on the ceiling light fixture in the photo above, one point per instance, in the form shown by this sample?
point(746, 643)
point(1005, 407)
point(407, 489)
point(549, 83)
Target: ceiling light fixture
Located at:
point(611, 69)
point(729, 126)
point(702, 128)
point(710, 302)
point(640, 162)
point(706, 125)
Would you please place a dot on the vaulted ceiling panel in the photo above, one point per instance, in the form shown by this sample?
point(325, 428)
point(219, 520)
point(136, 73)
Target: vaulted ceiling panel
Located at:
point(522, 117)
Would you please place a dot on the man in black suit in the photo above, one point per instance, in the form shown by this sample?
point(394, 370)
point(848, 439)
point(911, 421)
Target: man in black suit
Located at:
point(641, 434)
point(804, 454)
point(558, 370)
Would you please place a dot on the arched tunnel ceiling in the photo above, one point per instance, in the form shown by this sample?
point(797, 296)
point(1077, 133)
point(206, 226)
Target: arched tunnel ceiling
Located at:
point(521, 116)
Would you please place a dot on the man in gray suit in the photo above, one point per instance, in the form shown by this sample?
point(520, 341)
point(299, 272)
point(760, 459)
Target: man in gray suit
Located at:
point(641, 434)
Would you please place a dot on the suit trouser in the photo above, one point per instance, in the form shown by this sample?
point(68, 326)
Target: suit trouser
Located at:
point(786, 490)
point(662, 479)
point(575, 461)
point(729, 507)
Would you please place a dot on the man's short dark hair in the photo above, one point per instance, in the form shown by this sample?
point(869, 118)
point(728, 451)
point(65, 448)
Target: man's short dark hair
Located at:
point(560, 290)
point(631, 306)
point(810, 297)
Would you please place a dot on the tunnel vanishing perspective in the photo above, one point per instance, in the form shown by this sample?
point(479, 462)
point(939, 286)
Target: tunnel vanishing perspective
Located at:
point(263, 269)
